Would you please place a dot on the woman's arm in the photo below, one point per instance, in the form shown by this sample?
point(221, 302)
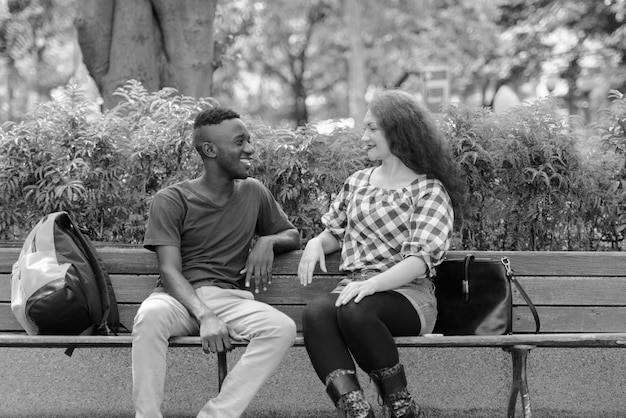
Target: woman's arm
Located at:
point(314, 252)
point(400, 274)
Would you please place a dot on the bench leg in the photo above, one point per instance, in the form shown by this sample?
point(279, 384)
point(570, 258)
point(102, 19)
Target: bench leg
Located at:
point(222, 369)
point(519, 385)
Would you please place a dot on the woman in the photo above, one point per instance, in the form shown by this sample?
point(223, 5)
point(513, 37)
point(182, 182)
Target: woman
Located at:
point(393, 224)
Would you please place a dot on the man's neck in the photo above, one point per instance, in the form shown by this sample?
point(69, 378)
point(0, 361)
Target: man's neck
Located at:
point(216, 188)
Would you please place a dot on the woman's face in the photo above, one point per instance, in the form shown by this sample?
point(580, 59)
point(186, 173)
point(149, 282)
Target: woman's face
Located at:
point(376, 144)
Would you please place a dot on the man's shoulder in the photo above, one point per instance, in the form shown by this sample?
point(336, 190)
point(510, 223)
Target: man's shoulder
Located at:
point(250, 183)
point(176, 187)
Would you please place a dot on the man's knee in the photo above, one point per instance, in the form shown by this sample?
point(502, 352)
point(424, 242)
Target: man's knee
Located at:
point(288, 327)
point(154, 316)
point(282, 327)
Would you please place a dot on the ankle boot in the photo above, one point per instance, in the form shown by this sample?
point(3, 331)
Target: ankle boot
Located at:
point(343, 388)
point(392, 387)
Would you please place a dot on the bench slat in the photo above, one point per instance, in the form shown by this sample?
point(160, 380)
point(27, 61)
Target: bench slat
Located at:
point(553, 319)
point(8, 323)
point(571, 319)
point(614, 340)
point(603, 291)
point(135, 288)
point(136, 260)
point(570, 290)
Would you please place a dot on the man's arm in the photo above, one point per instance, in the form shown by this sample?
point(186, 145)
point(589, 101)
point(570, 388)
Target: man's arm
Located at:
point(214, 333)
point(261, 257)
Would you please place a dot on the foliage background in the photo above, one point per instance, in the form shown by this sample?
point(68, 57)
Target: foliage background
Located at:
point(293, 61)
point(531, 187)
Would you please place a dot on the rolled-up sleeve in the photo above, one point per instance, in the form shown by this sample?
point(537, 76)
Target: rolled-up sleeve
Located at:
point(431, 226)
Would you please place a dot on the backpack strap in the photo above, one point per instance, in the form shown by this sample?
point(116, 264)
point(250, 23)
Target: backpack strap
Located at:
point(110, 317)
point(70, 349)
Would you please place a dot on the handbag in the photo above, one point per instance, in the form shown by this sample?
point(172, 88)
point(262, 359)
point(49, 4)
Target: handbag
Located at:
point(474, 297)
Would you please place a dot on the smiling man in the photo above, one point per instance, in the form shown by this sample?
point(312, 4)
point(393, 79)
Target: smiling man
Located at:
point(214, 236)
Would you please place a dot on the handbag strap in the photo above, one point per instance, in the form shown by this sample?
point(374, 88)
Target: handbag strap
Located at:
point(518, 285)
point(467, 261)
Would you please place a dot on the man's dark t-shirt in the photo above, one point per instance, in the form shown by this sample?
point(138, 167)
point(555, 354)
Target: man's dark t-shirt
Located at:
point(214, 240)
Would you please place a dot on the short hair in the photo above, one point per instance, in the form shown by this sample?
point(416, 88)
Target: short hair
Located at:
point(214, 116)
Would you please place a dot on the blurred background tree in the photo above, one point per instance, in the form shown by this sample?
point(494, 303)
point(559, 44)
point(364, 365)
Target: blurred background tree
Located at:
point(296, 62)
point(159, 42)
point(37, 53)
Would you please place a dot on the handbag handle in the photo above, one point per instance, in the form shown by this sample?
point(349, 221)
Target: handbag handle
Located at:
point(509, 272)
point(466, 273)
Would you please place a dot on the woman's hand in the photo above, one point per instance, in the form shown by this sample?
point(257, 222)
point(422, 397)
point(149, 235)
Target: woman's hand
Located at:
point(312, 254)
point(356, 290)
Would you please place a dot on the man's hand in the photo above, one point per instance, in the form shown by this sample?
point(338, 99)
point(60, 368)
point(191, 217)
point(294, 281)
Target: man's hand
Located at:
point(215, 335)
point(259, 264)
point(313, 253)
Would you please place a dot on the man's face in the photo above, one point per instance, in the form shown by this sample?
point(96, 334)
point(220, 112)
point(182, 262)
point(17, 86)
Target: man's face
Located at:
point(231, 146)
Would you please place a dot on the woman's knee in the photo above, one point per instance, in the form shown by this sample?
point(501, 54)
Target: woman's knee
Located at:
point(319, 311)
point(354, 315)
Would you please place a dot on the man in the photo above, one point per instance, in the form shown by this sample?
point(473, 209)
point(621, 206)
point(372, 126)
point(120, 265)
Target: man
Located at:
point(209, 235)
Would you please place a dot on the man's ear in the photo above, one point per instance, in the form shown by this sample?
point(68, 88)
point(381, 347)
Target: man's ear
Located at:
point(209, 149)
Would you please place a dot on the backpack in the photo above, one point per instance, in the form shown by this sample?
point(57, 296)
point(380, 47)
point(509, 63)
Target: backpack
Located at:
point(59, 285)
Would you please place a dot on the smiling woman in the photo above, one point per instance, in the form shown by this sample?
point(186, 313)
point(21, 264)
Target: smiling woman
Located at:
point(393, 224)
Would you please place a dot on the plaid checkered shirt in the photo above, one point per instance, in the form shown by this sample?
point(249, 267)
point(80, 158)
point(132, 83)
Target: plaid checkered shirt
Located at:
point(378, 227)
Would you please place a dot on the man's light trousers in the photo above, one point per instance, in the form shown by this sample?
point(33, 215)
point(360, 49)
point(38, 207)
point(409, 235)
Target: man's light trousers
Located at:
point(269, 332)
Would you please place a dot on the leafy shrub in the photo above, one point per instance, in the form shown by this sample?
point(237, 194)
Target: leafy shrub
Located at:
point(101, 167)
point(529, 186)
point(104, 167)
point(304, 170)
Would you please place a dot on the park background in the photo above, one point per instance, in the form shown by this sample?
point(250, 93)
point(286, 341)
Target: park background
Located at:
point(97, 98)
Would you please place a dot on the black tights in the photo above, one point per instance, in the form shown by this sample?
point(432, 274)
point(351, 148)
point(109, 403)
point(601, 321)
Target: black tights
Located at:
point(363, 330)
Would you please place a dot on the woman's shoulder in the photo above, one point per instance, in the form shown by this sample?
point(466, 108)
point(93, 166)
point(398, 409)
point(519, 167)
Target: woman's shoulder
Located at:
point(425, 184)
point(360, 176)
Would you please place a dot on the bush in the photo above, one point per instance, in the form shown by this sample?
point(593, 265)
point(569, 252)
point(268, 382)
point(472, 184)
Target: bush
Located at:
point(104, 168)
point(101, 168)
point(529, 186)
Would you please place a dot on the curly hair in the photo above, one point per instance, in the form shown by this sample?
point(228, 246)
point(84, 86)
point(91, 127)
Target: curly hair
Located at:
point(415, 139)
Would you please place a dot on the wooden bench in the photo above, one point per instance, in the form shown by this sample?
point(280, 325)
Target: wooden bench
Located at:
point(580, 297)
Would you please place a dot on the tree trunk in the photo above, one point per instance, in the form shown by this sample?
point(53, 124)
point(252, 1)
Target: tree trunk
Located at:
point(157, 42)
point(300, 111)
point(357, 83)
